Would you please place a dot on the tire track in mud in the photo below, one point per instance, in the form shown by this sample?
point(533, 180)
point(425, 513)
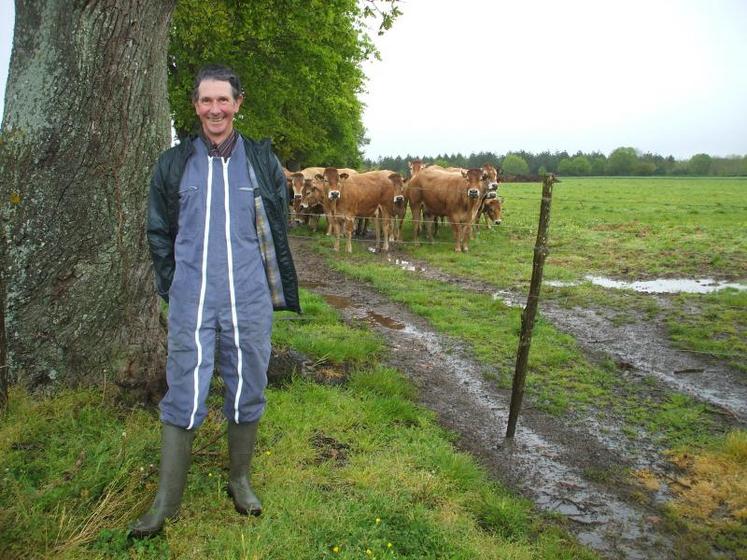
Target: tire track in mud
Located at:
point(549, 460)
point(641, 347)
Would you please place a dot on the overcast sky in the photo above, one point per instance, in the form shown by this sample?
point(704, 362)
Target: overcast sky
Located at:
point(666, 76)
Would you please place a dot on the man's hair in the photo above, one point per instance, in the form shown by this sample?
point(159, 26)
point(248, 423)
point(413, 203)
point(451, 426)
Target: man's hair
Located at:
point(220, 73)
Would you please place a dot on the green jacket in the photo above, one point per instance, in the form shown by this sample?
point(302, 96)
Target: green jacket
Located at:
point(163, 215)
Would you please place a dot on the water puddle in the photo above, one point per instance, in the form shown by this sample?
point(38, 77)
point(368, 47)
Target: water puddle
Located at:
point(667, 285)
point(388, 322)
point(338, 302)
point(507, 298)
point(657, 286)
point(405, 265)
point(560, 283)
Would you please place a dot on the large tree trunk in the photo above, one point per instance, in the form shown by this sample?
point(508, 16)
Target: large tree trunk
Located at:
point(86, 115)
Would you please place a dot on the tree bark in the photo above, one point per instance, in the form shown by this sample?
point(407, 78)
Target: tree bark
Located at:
point(3, 348)
point(86, 114)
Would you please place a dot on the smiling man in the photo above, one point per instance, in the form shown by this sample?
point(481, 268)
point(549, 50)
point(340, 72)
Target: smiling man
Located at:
point(217, 218)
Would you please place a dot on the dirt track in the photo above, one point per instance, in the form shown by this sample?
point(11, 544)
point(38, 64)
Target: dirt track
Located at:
point(551, 461)
point(640, 347)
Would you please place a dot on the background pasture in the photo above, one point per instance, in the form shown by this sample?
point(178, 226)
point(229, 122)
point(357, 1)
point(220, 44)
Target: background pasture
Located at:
point(627, 229)
point(623, 228)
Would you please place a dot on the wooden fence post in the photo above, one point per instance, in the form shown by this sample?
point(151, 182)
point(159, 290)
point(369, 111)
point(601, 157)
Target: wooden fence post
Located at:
point(530, 311)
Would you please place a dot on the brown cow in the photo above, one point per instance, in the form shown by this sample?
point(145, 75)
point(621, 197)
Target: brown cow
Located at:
point(326, 188)
point(363, 195)
point(308, 174)
point(399, 208)
point(414, 195)
point(297, 182)
point(491, 180)
point(456, 196)
point(296, 194)
point(311, 206)
point(493, 176)
point(317, 175)
point(492, 209)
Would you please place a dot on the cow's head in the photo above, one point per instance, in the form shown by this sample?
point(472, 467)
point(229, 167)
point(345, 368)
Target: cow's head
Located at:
point(330, 179)
point(491, 178)
point(492, 205)
point(399, 188)
point(297, 180)
point(415, 166)
point(311, 195)
point(473, 182)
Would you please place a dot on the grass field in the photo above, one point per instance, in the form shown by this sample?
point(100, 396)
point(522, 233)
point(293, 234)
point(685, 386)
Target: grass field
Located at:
point(353, 471)
point(627, 229)
point(622, 228)
point(359, 470)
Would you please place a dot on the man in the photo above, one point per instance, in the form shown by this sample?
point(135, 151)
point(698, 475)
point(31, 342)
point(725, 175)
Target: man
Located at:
point(217, 219)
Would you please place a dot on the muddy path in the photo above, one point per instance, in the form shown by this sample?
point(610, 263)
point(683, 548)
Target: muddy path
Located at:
point(551, 461)
point(640, 347)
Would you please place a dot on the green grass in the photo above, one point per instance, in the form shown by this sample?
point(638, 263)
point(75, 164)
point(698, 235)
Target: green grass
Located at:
point(620, 227)
point(714, 324)
point(353, 471)
point(318, 332)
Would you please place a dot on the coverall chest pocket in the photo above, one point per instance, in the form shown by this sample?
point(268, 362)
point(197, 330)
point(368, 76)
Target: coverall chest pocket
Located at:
point(246, 229)
point(191, 211)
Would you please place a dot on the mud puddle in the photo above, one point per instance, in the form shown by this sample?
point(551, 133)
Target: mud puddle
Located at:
point(549, 461)
point(641, 346)
point(337, 301)
point(657, 286)
point(667, 285)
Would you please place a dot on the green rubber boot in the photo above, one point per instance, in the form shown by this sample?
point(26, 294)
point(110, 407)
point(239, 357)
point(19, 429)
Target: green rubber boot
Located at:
point(176, 455)
point(241, 440)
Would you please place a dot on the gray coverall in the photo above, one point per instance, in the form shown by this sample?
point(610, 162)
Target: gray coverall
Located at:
point(219, 287)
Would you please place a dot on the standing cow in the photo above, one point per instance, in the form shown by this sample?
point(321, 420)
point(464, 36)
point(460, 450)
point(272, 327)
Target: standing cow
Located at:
point(399, 208)
point(456, 196)
point(363, 195)
point(491, 206)
point(413, 195)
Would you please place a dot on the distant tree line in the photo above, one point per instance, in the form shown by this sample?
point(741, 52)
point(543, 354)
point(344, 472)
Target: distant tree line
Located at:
point(623, 161)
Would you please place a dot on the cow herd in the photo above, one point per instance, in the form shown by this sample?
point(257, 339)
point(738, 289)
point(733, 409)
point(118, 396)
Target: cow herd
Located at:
point(346, 198)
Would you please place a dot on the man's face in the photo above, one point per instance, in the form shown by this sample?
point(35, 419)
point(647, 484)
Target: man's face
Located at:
point(216, 107)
